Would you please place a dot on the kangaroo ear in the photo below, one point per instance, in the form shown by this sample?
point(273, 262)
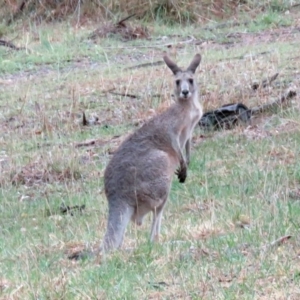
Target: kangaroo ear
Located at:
point(173, 66)
point(195, 63)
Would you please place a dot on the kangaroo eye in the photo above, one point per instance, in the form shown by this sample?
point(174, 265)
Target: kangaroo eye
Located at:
point(191, 81)
point(177, 82)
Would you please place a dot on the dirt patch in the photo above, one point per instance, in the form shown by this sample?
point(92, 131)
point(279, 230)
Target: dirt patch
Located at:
point(39, 172)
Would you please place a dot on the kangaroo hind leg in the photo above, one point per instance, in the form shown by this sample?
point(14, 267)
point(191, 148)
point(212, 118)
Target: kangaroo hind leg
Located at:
point(156, 223)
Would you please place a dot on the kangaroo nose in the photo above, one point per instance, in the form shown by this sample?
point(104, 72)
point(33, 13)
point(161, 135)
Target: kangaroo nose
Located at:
point(185, 92)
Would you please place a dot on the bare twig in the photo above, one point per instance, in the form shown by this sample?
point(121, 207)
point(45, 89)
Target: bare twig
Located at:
point(264, 83)
point(280, 241)
point(93, 142)
point(84, 120)
point(100, 142)
point(124, 95)
point(264, 250)
point(151, 64)
point(125, 19)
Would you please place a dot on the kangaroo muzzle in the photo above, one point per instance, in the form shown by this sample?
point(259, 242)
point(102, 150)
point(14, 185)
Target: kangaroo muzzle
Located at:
point(185, 90)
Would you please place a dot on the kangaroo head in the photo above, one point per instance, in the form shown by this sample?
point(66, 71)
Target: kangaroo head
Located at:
point(184, 80)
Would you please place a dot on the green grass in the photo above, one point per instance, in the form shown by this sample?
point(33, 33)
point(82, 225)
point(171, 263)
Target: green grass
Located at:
point(217, 228)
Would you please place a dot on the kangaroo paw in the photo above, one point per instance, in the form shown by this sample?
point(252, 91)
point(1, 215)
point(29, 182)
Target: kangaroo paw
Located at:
point(181, 174)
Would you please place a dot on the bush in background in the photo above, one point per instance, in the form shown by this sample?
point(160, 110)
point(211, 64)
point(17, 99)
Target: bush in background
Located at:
point(166, 11)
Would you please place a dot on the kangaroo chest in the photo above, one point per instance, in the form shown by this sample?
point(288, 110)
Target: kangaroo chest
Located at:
point(195, 114)
point(192, 118)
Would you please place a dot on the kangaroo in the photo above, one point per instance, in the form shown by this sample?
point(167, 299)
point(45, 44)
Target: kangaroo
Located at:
point(138, 178)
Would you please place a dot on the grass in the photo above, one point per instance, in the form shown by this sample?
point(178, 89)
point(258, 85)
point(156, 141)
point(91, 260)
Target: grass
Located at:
point(242, 188)
point(167, 12)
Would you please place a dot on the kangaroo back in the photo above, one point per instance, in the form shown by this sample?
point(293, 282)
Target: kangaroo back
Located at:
point(138, 178)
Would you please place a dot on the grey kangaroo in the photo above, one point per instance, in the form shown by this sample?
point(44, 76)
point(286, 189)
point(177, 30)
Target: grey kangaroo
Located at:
point(138, 177)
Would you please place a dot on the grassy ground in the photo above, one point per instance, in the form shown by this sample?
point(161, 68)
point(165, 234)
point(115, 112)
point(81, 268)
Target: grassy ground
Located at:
point(219, 229)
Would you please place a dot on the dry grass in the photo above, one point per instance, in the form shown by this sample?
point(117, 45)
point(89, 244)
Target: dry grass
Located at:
point(175, 11)
point(218, 228)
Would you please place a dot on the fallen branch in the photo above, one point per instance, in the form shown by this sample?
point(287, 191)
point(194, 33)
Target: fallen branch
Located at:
point(93, 142)
point(151, 64)
point(264, 83)
point(181, 43)
point(265, 249)
point(276, 243)
point(121, 23)
point(280, 241)
point(124, 94)
point(230, 115)
point(275, 104)
point(10, 45)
